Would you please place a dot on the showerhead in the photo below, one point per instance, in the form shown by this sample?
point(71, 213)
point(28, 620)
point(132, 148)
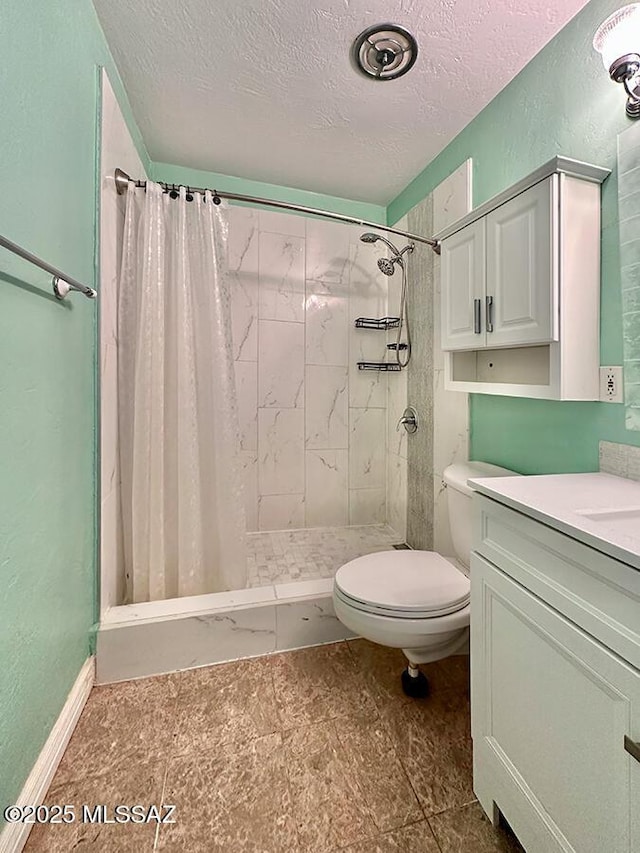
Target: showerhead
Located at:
point(386, 266)
point(370, 237)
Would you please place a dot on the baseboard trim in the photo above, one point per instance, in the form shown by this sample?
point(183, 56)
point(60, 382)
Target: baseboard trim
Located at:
point(14, 835)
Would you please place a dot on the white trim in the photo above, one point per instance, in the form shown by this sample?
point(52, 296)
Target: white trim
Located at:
point(557, 165)
point(189, 605)
point(14, 835)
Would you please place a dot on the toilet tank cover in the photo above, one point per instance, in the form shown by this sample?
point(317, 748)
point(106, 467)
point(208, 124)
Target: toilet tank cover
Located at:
point(456, 476)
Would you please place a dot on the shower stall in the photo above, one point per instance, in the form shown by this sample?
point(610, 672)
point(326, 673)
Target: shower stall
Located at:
point(310, 413)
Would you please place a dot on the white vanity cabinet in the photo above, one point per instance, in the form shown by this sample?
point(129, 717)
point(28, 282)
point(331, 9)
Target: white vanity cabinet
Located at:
point(520, 282)
point(555, 653)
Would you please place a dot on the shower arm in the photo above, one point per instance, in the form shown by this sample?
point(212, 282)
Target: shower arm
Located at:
point(122, 181)
point(410, 249)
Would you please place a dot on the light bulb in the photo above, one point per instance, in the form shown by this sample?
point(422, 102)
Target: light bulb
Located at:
point(619, 35)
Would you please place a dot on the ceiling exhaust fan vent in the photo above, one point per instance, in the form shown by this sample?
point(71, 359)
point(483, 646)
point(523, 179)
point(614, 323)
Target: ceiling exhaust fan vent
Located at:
point(385, 51)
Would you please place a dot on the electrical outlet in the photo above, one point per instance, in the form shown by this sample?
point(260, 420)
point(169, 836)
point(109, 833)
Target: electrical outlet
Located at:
point(611, 385)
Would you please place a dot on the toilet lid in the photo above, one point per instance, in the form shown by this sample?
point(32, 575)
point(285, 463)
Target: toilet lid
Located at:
point(410, 583)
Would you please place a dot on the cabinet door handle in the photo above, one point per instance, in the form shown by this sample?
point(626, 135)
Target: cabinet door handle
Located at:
point(632, 748)
point(477, 323)
point(489, 313)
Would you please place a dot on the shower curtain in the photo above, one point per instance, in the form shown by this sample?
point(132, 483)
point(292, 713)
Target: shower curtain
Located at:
point(183, 517)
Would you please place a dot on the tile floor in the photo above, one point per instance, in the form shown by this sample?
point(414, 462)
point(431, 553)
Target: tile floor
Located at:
point(292, 555)
point(311, 751)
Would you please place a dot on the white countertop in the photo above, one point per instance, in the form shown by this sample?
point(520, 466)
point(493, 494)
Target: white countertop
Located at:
point(600, 510)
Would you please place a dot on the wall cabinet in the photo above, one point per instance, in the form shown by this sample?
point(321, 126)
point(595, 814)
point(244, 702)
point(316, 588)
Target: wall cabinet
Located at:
point(498, 276)
point(522, 273)
point(555, 686)
point(463, 287)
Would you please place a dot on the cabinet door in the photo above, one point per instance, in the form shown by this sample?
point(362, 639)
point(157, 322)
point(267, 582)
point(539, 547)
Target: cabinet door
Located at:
point(462, 283)
point(551, 708)
point(521, 268)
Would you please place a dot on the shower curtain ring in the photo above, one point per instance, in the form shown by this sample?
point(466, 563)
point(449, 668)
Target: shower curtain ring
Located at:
point(216, 197)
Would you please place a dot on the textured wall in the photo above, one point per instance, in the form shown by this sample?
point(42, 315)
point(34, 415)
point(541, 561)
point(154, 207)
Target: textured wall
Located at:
point(420, 382)
point(629, 212)
point(562, 103)
point(259, 189)
point(265, 88)
point(47, 362)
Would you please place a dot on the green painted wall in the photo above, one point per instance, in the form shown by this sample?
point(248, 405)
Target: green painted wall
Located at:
point(197, 178)
point(48, 98)
point(562, 103)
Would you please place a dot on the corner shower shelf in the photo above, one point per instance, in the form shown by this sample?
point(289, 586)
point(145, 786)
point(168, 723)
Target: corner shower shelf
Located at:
point(383, 324)
point(378, 365)
point(396, 347)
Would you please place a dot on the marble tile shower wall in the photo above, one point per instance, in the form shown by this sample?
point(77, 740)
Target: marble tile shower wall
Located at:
point(420, 382)
point(416, 498)
point(313, 427)
point(397, 439)
point(451, 201)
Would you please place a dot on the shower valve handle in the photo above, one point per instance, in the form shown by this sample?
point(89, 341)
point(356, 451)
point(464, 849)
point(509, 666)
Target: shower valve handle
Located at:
point(409, 420)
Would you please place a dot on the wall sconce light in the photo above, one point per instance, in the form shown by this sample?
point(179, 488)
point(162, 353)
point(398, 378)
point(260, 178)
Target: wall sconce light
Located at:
point(618, 41)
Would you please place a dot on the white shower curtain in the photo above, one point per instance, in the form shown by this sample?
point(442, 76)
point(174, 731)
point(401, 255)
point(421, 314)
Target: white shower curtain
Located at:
point(183, 516)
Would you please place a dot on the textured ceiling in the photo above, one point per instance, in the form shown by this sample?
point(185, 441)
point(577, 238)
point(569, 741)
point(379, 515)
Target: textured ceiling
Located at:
point(264, 89)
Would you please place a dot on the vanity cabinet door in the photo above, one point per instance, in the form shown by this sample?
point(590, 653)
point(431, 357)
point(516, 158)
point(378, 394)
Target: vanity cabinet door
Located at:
point(521, 266)
point(463, 288)
point(551, 708)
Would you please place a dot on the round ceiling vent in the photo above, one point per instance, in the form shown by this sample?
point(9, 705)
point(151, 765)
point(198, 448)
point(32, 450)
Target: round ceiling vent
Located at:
point(385, 51)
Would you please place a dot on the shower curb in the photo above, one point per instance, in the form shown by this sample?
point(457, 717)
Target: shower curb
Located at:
point(137, 648)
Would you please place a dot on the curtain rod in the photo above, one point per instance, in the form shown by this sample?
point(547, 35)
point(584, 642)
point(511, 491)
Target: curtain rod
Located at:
point(122, 184)
point(62, 283)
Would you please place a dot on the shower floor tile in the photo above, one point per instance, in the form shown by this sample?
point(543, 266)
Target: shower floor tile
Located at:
point(312, 751)
point(281, 556)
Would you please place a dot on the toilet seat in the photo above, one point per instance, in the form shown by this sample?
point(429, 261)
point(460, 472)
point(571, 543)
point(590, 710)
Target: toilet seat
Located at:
point(403, 585)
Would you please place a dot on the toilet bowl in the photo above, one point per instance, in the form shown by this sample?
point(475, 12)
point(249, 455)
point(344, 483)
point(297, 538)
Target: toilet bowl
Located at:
point(413, 600)
point(417, 601)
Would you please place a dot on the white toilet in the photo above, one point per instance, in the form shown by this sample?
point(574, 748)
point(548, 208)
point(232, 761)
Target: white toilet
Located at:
point(417, 601)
